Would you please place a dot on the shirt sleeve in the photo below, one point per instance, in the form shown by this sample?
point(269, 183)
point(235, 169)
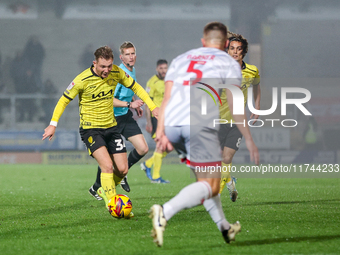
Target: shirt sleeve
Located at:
point(59, 108)
point(69, 94)
point(130, 83)
point(73, 88)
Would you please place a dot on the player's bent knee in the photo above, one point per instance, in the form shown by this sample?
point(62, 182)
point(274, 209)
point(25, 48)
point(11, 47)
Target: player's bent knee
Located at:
point(215, 190)
point(143, 150)
point(125, 171)
point(227, 159)
point(122, 171)
point(106, 168)
point(214, 185)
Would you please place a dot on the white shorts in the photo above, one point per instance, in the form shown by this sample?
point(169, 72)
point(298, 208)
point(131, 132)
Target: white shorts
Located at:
point(201, 144)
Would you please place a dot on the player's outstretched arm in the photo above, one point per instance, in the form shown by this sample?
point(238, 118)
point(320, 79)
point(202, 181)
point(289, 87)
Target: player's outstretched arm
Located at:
point(142, 94)
point(148, 126)
point(161, 139)
point(254, 153)
point(257, 99)
point(49, 132)
point(58, 111)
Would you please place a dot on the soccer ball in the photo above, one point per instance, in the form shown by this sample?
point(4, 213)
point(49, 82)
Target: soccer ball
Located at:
point(120, 206)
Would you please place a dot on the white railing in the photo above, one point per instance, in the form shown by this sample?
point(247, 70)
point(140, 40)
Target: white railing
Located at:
point(9, 112)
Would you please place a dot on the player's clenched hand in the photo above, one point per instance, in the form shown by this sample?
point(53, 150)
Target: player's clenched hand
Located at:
point(164, 144)
point(137, 103)
point(155, 112)
point(254, 153)
point(49, 132)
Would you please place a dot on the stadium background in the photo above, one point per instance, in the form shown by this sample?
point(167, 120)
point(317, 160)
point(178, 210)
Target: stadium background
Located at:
point(294, 43)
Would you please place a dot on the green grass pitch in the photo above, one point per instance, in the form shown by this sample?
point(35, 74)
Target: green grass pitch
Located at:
point(46, 209)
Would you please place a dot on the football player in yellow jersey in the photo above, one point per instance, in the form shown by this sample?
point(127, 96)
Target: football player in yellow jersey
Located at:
point(95, 87)
point(230, 136)
point(126, 124)
point(155, 88)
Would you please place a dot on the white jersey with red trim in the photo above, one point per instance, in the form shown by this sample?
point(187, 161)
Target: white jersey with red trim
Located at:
point(194, 75)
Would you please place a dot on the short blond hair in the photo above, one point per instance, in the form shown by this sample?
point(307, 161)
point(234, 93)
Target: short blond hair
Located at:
point(126, 45)
point(216, 31)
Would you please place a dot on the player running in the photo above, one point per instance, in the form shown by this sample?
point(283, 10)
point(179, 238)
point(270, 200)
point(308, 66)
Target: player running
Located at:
point(229, 135)
point(127, 126)
point(179, 124)
point(98, 127)
point(155, 88)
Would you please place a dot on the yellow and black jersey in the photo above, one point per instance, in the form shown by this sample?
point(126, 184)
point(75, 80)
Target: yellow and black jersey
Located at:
point(250, 76)
point(155, 87)
point(96, 97)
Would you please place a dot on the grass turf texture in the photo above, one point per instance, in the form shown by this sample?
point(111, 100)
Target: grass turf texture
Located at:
point(46, 209)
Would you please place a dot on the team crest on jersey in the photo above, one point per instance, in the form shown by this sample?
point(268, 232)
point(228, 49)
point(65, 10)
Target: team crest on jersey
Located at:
point(127, 75)
point(70, 86)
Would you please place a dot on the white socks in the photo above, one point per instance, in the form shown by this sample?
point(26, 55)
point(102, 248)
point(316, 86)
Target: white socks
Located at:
point(190, 196)
point(214, 207)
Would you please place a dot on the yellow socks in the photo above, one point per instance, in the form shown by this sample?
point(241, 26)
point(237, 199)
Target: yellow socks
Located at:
point(157, 164)
point(225, 175)
point(149, 162)
point(108, 184)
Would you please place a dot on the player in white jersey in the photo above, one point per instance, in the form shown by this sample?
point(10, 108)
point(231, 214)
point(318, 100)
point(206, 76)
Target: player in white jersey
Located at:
point(183, 125)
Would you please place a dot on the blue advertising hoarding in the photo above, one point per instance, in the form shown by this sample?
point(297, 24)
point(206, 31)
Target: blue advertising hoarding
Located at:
point(31, 141)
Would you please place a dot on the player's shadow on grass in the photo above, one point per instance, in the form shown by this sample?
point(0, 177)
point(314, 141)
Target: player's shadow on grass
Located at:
point(47, 229)
point(286, 240)
point(52, 210)
point(292, 202)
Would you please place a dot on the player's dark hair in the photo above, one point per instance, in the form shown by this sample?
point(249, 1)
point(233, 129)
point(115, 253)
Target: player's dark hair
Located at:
point(161, 62)
point(231, 34)
point(126, 45)
point(242, 40)
point(217, 26)
point(104, 52)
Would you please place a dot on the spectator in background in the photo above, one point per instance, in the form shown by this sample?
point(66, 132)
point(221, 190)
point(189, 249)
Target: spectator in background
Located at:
point(22, 73)
point(48, 103)
point(34, 53)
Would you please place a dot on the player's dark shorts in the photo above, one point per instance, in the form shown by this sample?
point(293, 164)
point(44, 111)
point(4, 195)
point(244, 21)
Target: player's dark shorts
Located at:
point(154, 126)
point(97, 137)
point(229, 136)
point(127, 126)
